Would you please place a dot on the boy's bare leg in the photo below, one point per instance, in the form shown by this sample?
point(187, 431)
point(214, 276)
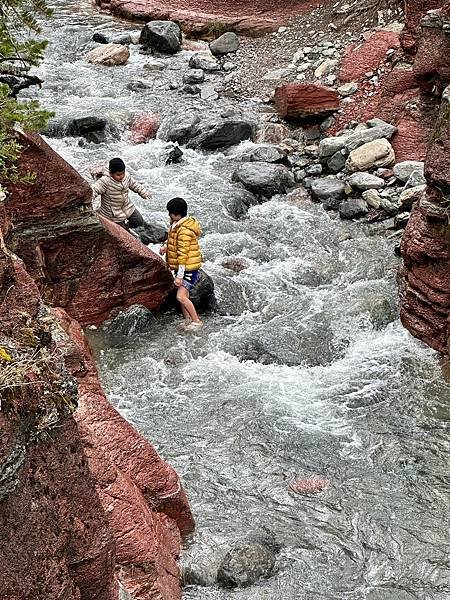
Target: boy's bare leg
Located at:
point(186, 304)
point(185, 313)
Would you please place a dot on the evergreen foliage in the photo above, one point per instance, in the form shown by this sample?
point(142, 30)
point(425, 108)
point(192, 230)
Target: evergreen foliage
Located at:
point(19, 52)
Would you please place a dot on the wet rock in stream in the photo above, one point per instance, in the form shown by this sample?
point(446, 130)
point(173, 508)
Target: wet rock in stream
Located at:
point(245, 565)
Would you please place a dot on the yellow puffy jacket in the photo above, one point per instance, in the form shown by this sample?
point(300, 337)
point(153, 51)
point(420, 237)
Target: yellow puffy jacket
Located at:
point(182, 245)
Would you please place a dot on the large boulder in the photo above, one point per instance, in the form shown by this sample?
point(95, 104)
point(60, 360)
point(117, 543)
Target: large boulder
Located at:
point(179, 127)
point(226, 43)
point(264, 179)
point(265, 153)
point(216, 133)
point(144, 128)
point(89, 266)
point(163, 36)
point(378, 153)
point(109, 55)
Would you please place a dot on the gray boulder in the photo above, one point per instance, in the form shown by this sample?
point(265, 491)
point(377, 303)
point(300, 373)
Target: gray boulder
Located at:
point(202, 294)
point(403, 170)
point(337, 162)
point(264, 153)
point(365, 181)
point(134, 320)
point(353, 208)
point(179, 127)
point(329, 190)
point(244, 566)
point(264, 179)
point(163, 36)
point(222, 133)
point(357, 139)
point(123, 39)
point(226, 43)
point(331, 145)
point(204, 61)
point(151, 233)
point(411, 195)
point(194, 76)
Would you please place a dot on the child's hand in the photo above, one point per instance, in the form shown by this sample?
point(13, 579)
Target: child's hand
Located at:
point(162, 250)
point(178, 281)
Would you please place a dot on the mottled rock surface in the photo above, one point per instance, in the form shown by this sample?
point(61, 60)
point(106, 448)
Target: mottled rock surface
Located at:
point(297, 100)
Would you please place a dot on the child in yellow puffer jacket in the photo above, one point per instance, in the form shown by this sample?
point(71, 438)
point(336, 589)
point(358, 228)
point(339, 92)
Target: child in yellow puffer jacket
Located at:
point(184, 257)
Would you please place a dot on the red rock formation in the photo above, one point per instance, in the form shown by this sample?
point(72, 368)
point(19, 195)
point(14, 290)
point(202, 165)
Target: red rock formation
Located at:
point(202, 16)
point(142, 495)
point(144, 128)
point(368, 56)
point(72, 256)
point(425, 277)
point(408, 93)
point(84, 499)
point(56, 540)
point(297, 100)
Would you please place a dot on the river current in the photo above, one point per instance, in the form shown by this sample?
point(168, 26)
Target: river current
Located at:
point(304, 370)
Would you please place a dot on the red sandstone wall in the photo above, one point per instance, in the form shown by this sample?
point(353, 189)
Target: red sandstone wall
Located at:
point(84, 499)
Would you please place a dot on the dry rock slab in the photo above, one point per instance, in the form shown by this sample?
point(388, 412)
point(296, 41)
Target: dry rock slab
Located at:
point(375, 154)
point(109, 55)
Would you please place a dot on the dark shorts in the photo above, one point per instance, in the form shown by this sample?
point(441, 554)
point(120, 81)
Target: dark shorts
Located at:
point(190, 278)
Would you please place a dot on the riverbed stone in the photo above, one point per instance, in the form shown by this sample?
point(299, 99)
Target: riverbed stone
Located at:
point(331, 145)
point(245, 565)
point(205, 61)
point(264, 179)
point(222, 132)
point(134, 320)
point(373, 198)
point(353, 208)
point(348, 89)
point(337, 162)
point(179, 127)
point(163, 36)
point(202, 294)
point(264, 153)
point(151, 233)
point(237, 202)
point(378, 153)
point(226, 43)
point(109, 55)
point(194, 76)
point(365, 181)
point(411, 195)
point(403, 170)
point(329, 190)
point(416, 178)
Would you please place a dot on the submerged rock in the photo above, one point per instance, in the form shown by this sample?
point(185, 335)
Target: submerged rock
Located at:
point(134, 320)
point(242, 566)
point(238, 202)
point(353, 208)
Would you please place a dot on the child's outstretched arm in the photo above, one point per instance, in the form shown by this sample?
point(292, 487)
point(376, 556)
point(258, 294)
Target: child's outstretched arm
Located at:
point(99, 187)
point(139, 189)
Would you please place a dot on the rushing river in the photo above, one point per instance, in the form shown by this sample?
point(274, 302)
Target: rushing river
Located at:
point(304, 370)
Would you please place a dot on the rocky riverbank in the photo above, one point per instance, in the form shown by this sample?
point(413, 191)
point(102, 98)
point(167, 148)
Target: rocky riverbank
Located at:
point(87, 505)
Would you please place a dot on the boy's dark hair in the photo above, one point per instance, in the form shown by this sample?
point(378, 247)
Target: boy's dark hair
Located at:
point(116, 165)
point(177, 206)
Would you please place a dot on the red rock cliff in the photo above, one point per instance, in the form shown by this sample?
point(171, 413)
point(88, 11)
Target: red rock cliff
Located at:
point(85, 501)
